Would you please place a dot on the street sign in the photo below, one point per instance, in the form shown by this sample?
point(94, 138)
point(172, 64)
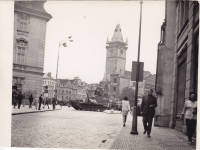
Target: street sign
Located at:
point(134, 71)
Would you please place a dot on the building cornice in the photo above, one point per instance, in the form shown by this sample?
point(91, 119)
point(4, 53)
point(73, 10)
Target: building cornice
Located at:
point(33, 12)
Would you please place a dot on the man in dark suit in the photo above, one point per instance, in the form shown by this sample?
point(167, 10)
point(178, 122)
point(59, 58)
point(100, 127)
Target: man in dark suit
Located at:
point(19, 97)
point(148, 105)
point(40, 101)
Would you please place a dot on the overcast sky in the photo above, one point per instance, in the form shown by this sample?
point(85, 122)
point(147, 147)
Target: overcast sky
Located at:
point(89, 24)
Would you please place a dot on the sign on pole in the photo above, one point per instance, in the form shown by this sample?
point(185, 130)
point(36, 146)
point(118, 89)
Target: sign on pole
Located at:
point(134, 71)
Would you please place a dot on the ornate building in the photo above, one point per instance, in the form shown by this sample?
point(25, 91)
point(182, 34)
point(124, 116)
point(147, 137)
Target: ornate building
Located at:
point(71, 89)
point(30, 19)
point(116, 77)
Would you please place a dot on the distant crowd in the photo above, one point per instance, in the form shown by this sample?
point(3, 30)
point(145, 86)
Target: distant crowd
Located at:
point(18, 100)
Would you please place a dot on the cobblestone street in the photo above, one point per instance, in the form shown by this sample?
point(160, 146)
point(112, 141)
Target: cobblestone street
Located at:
point(66, 128)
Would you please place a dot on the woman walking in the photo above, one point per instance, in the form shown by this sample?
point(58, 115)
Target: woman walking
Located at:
point(125, 109)
point(30, 100)
point(190, 114)
point(36, 101)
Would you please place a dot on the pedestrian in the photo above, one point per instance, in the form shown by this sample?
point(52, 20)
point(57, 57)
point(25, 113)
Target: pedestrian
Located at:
point(46, 102)
point(125, 109)
point(23, 100)
point(54, 99)
point(14, 98)
point(40, 101)
point(30, 100)
point(36, 101)
point(148, 105)
point(19, 97)
point(190, 114)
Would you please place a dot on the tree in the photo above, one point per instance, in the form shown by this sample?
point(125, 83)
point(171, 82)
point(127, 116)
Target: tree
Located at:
point(130, 93)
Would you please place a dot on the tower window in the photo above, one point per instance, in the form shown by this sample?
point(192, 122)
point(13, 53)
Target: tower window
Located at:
point(115, 79)
point(114, 89)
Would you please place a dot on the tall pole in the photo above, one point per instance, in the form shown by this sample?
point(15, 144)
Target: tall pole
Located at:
point(57, 70)
point(62, 43)
point(134, 123)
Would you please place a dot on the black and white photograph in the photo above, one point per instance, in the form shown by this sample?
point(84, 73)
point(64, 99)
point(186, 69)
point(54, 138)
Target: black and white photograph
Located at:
point(99, 74)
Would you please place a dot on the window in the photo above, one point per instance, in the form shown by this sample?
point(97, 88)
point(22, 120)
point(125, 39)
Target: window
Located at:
point(23, 22)
point(114, 88)
point(66, 97)
point(115, 80)
point(183, 13)
point(21, 50)
point(67, 92)
point(62, 91)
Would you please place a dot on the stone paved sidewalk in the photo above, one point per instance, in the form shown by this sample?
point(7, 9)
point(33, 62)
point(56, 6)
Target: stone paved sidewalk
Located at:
point(162, 138)
point(26, 109)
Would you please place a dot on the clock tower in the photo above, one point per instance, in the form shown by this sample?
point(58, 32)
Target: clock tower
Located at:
point(116, 53)
point(115, 76)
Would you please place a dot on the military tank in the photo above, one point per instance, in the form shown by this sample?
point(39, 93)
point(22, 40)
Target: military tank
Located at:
point(89, 105)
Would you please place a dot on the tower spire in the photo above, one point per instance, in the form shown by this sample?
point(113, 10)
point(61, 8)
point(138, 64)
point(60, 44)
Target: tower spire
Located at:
point(117, 36)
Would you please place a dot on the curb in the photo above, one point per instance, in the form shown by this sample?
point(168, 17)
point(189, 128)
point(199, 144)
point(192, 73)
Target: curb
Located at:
point(32, 112)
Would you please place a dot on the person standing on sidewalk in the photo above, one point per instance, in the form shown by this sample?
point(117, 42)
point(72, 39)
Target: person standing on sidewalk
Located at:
point(46, 102)
point(23, 100)
point(125, 109)
point(30, 100)
point(40, 101)
point(54, 99)
point(14, 98)
point(19, 97)
point(148, 105)
point(190, 113)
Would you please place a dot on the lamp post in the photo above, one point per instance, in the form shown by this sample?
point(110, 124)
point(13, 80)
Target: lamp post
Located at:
point(134, 122)
point(62, 43)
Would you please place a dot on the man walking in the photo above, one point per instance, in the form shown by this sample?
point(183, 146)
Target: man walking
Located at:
point(14, 98)
point(40, 101)
point(30, 100)
point(148, 105)
point(19, 97)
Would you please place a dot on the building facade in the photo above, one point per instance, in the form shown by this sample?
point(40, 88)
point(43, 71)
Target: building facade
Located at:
point(30, 20)
point(71, 89)
point(50, 82)
point(178, 49)
point(164, 72)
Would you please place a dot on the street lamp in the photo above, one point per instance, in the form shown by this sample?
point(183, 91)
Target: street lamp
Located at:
point(134, 123)
point(62, 43)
